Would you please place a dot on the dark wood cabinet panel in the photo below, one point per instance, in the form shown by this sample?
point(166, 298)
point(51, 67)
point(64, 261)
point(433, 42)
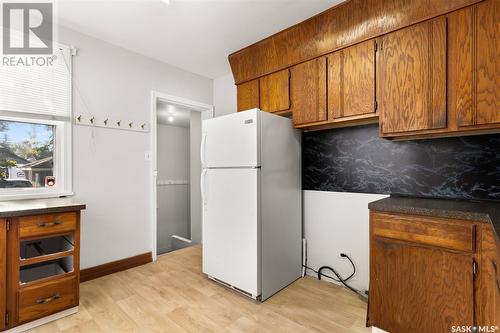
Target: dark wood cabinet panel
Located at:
point(3, 271)
point(248, 95)
point(346, 24)
point(308, 91)
point(461, 66)
point(351, 81)
point(411, 87)
point(419, 289)
point(488, 62)
point(275, 91)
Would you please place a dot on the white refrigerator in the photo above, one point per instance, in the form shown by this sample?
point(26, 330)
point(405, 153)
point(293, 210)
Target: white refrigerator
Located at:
point(252, 203)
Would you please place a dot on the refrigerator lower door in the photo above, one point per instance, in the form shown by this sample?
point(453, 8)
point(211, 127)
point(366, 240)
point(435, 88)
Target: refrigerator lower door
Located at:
point(231, 140)
point(231, 227)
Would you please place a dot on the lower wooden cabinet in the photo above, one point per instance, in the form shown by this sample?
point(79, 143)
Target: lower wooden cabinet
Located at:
point(42, 268)
point(428, 274)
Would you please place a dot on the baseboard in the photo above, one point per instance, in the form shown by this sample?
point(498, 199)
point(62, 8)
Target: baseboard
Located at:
point(115, 266)
point(42, 321)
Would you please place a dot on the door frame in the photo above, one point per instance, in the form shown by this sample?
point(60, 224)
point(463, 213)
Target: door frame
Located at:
point(207, 111)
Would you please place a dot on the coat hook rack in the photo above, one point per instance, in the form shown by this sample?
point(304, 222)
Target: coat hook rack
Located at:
point(107, 122)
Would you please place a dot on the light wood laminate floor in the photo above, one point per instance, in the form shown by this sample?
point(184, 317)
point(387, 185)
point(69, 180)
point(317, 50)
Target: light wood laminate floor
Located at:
point(172, 295)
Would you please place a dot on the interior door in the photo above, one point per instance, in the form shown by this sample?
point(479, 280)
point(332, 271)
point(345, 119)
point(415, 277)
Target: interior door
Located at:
point(411, 73)
point(231, 141)
point(231, 227)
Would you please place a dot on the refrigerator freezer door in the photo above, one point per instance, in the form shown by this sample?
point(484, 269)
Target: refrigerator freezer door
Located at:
point(231, 227)
point(231, 140)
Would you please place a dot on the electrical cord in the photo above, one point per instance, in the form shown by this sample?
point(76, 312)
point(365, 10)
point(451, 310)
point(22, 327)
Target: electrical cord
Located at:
point(339, 278)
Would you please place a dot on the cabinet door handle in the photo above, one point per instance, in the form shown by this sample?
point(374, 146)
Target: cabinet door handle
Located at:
point(48, 299)
point(48, 224)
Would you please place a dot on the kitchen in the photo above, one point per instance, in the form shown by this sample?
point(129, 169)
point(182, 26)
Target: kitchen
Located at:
point(352, 142)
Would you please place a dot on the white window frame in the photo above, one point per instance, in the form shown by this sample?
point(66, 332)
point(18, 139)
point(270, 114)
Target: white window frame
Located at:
point(63, 146)
point(62, 158)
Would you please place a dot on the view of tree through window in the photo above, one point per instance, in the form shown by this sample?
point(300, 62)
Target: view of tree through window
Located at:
point(26, 154)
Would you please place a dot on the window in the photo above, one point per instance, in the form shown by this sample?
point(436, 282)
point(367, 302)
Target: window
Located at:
point(35, 129)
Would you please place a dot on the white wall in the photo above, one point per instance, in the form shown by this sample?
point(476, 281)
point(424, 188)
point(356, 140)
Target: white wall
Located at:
point(224, 95)
point(333, 222)
point(336, 222)
point(110, 173)
point(173, 214)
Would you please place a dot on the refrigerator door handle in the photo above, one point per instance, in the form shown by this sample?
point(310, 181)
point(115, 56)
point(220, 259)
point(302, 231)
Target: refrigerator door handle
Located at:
point(202, 149)
point(203, 188)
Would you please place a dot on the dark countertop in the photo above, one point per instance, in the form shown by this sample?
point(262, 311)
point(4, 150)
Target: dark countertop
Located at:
point(38, 206)
point(481, 211)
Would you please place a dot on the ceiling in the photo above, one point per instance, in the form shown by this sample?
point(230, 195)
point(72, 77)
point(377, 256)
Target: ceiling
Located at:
point(195, 35)
point(173, 115)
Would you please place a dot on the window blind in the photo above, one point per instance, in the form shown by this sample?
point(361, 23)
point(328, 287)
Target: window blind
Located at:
point(36, 89)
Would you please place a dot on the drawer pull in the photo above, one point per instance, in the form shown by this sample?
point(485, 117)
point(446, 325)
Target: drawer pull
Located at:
point(48, 224)
point(48, 299)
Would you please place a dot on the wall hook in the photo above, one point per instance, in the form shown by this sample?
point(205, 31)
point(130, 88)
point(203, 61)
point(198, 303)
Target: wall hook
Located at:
point(79, 118)
point(130, 124)
point(143, 126)
point(92, 120)
point(119, 123)
point(106, 121)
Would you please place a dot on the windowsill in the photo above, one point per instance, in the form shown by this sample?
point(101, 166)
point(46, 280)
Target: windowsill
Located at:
point(25, 196)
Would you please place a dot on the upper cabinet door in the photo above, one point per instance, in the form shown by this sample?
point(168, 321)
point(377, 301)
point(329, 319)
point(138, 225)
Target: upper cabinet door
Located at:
point(308, 92)
point(488, 62)
point(248, 95)
point(275, 91)
point(351, 81)
point(411, 69)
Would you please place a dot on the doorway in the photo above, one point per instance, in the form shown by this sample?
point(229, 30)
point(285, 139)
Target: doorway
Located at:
point(176, 171)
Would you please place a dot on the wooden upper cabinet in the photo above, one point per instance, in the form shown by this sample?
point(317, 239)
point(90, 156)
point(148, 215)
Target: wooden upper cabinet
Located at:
point(351, 81)
point(474, 65)
point(275, 91)
point(308, 92)
point(488, 62)
point(3, 272)
point(248, 95)
point(411, 87)
point(460, 80)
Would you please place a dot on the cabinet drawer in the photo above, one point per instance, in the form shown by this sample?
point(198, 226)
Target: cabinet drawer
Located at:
point(440, 232)
point(40, 225)
point(47, 298)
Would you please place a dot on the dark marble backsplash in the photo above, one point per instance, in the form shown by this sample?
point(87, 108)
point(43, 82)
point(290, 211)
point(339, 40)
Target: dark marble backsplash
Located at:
point(355, 159)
